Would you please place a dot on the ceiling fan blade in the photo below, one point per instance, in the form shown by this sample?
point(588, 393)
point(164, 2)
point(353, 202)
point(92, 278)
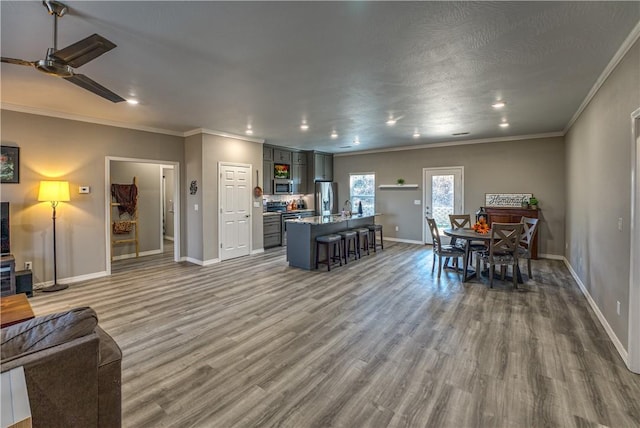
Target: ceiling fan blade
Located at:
point(17, 61)
point(88, 84)
point(84, 51)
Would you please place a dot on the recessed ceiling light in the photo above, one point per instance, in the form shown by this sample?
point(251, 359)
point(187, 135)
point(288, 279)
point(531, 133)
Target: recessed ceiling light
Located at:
point(249, 130)
point(356, 141)
point(132, 101)
point(304, 126)
point(498, 104)
point(391, 121)
point(334, 134)
point(416, 134)
point(504, 125)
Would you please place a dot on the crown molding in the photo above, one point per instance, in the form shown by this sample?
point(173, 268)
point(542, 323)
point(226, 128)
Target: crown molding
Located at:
point(622, 51)
point(454, 143)
point(79, 118)
point(222, 134)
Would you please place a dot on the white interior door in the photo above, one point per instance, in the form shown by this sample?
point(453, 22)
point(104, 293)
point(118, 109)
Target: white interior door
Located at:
point(443, 195)
point(235, 211)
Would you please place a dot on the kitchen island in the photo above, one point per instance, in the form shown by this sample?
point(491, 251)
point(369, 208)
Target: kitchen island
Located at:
point(302, 233)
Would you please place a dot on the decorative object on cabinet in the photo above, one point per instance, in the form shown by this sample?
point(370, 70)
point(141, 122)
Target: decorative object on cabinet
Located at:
point(125, 199)
point(506, 199)
point(481, 214)
point(9, 164)
point(54, 192)
point(533, 202)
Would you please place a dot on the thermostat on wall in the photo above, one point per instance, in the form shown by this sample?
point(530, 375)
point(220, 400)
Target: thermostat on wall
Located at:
point(84, 189)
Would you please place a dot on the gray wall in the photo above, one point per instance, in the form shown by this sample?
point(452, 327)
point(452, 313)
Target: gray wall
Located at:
point(169, 202)
point(149, 215)
point(528, 166)
point(193, 171)
point(74, 151)
point(202, 154)
point(598, 174)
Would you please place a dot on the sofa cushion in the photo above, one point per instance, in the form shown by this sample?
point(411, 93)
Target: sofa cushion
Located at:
point(46, 331)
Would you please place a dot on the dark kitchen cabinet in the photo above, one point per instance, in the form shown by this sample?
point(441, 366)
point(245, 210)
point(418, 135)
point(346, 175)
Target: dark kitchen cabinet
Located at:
point(267, 153)
point(281, 156)
point(299, 177)
point(272, 230)
point(267, 177)
point(322, 167)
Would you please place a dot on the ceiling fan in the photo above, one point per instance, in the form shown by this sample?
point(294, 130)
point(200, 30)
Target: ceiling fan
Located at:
point(61, 62)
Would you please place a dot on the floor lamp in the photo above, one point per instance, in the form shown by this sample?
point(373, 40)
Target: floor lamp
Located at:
point(54, 192)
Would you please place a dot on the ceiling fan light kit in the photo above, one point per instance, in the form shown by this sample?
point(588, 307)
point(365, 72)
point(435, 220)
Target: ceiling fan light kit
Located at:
point(60, 63)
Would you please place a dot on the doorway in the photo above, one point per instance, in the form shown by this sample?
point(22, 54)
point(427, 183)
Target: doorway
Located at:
point(235, 210)
point(443, 195)
point(151, 190)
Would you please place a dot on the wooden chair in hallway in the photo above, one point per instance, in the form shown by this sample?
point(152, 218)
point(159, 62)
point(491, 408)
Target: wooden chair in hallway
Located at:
point(440, 250)
point(529, 229)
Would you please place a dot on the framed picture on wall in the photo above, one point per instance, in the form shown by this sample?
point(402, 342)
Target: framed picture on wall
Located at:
point(9, 164)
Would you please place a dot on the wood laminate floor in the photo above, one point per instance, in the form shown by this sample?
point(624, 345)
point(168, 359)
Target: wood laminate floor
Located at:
point(380, 342)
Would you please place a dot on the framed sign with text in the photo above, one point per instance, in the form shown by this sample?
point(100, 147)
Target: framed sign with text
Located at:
point(506, 199)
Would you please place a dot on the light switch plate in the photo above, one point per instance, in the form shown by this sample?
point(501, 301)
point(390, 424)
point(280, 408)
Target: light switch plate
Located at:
point(256, 204)
point(417, 202)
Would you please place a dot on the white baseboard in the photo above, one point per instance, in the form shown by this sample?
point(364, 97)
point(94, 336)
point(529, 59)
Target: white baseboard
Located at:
point(406, 241)
point(257, 251)
point(200, 262)
point(71, 280)
point(551, 257)
point(133, 255)
point(168, 238)
point(616, 342)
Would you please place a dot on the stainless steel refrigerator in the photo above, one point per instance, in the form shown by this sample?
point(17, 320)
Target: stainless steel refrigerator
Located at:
point(326, 198)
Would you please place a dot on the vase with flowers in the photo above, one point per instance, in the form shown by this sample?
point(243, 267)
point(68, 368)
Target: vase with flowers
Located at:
point(481, 226)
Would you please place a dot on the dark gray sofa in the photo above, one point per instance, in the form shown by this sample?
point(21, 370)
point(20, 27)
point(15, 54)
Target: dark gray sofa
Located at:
point(72, 369)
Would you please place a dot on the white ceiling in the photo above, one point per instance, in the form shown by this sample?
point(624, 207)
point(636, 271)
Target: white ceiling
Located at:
point(347, 66)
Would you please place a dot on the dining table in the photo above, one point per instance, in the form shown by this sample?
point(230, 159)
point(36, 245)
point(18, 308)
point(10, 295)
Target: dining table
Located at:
point(468, 235)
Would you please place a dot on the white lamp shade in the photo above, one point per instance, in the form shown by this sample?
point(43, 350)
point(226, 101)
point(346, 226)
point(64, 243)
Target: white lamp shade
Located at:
point(54, 191)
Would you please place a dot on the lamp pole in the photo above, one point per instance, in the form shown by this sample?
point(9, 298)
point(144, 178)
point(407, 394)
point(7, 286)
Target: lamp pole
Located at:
point(55, 286)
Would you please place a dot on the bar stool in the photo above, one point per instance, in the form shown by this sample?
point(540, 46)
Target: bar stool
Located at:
point(373, 228)
point(349, 241)
point(331, 242)
point(363, 240)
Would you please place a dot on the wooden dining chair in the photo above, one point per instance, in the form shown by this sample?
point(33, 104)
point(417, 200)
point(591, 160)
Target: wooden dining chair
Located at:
point(442, 250)
point(529, 229)
point(463, 221)
point(503, 250)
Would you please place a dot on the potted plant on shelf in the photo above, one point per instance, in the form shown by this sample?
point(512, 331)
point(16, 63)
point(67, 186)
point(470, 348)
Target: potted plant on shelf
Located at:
point(533, 202)
point(400, 181)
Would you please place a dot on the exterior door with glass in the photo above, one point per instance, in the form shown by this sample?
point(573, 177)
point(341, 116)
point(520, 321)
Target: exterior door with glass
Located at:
point(443, 195)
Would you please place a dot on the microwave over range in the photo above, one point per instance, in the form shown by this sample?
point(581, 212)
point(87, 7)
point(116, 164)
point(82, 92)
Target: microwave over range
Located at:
point(282, 186)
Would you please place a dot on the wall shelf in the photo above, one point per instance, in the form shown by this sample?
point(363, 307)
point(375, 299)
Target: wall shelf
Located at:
point(398, 186)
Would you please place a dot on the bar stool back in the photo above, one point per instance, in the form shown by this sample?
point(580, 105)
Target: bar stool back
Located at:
point(333, 246)
point(349, 244)
point(363, 240)
point(373, 229)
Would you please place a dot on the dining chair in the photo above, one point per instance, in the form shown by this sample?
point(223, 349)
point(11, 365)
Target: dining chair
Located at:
point(442, 250)
point(503, 250)
point(529, 229)
point(463, 221)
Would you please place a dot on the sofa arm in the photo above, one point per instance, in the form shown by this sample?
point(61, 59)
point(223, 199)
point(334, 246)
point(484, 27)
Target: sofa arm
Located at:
point(62, 383)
